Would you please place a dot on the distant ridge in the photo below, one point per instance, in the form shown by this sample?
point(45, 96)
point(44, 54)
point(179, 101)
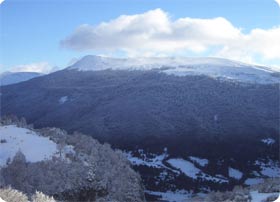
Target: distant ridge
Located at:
point(7, 78)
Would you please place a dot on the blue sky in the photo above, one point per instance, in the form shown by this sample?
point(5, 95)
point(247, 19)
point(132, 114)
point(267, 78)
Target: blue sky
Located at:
point(32, 32)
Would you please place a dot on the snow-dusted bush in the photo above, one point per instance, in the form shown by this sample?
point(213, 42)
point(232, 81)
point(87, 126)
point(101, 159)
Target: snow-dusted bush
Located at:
point(272, 198)
point(89, 172)
point(269, 185)
point(12, 195)
point(238, 194)
point(40, 197)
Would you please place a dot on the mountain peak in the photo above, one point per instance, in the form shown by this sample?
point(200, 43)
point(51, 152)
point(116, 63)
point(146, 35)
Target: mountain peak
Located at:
point(181, 66)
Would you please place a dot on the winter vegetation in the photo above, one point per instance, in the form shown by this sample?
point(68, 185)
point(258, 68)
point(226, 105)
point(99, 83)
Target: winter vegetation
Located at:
point(23, 139)
point(12, 195)
point(219, 132)
point(267, 191)
point(179, 179)
point(90, 172)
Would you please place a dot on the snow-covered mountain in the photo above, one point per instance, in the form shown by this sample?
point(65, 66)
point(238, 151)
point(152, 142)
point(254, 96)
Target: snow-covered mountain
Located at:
point(7, 78)
point(220, 124)
point(212, 67)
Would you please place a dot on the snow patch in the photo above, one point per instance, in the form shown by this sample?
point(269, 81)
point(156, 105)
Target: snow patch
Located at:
point(155, 162)
point(268, 141)
point(1, 200)
point(190, 170)
point(34, 147)
point(256, 196)
point(201, 162)
point(269, 169)
point(185, 166)
point(253, 181)
point(63, 99)
point(234, 173)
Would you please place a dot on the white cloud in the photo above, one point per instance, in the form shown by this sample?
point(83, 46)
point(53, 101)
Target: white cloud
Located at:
point(41, 67)
point(1, 1)
point(155, 33)
point(278, 2)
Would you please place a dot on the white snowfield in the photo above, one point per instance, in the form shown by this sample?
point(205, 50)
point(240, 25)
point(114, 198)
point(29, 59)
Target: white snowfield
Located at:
point(1, 200)
point(34, 147)
point(184, 66)
point(189, 169)
point(234, 173)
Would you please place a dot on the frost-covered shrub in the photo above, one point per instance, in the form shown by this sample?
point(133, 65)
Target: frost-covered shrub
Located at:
point(272, 198)
point(40, 197)
point(269, 185)
point(91, 172)
point(238, 194)
point(12, 195)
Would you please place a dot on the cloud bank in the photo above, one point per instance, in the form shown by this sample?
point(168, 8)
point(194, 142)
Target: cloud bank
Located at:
point(40, 67)
point(155, 33)
point(278, 2)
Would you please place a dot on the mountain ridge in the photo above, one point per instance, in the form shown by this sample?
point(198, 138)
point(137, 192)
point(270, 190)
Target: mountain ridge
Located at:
point(7, 78)
point(183, 66)
point(221, 120)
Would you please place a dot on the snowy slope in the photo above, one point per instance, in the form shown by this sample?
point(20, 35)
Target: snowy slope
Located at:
point(8, 78)
point(34, 147)
point(256, 196)
point(189, 169)
point(212, 67)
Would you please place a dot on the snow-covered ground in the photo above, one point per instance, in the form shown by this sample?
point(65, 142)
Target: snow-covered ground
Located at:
point(259, 197)
point(186, 167)
point(269, 169)
point(155, 162)
point(189, 169)
point(253, 181)
point(177, 196)
point(176, 166)
point(31, 144)
point(201, 162)
point(213, 67)
point(1, 200)
point(234, 173)
point(34, 147)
